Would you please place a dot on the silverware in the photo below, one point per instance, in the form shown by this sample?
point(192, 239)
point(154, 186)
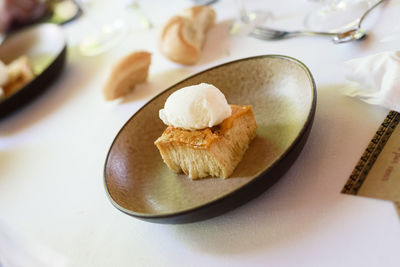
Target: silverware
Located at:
point(266, 33)
point(357, 33)
point(204, 2)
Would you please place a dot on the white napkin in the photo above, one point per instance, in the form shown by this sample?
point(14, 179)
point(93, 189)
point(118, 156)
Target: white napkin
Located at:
point(375, 79)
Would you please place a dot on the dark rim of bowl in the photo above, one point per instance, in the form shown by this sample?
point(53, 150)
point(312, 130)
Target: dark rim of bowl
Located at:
point(306, 125)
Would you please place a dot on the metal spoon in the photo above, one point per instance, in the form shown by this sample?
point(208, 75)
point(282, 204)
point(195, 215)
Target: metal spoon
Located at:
point(348, 36)
point(355, 34)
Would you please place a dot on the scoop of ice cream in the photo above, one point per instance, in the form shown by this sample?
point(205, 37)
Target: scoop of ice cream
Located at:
point(195, 107)
point(3, 74)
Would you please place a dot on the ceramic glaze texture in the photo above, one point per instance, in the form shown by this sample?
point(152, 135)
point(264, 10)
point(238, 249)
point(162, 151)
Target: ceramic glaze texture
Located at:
point(282, 93)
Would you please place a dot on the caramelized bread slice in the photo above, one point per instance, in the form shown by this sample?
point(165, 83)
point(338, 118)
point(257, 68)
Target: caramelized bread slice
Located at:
point(211, 151)
point(20, 73)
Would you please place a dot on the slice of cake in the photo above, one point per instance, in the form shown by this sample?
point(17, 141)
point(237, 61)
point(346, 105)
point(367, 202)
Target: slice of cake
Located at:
point(211, 151)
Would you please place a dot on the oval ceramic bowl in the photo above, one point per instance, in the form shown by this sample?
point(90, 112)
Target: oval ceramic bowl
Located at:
point(283, 95)
point(45, 46)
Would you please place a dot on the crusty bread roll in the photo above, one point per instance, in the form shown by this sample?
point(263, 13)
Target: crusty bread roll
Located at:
point(212, 151)
point(183, 35)
point(129, 71)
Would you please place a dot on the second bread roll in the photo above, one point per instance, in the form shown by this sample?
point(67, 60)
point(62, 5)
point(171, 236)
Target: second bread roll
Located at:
point(183, 35)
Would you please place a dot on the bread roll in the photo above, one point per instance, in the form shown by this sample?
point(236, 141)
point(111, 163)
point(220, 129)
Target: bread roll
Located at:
point(183, 35)
point(128, 72)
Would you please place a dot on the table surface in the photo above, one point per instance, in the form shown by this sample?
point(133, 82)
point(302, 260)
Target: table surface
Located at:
point(52, 155)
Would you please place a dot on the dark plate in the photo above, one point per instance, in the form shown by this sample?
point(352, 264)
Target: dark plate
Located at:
point(45, 46)
point(56, 11)
point(62, 12)
point(283, 95)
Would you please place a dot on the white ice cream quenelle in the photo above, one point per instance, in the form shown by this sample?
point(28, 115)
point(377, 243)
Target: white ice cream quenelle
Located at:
point(195, 107)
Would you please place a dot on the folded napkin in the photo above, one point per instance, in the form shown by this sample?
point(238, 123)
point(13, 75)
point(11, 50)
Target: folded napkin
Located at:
point(375, 79)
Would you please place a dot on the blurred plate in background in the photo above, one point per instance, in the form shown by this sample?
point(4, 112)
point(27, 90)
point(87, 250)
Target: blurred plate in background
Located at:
point(45, 47)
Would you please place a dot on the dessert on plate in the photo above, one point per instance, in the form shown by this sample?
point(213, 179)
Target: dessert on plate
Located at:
point(205, 135)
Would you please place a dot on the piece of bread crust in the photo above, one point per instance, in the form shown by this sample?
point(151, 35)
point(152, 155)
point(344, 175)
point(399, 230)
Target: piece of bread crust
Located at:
point(20, 73)
point(183, 35)
point(212, 151)
point(128, 72)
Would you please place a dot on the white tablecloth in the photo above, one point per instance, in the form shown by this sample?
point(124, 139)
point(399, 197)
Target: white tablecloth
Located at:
point(52, 155)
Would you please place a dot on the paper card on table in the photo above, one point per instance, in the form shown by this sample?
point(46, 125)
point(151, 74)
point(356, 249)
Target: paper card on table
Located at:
point(377, 174)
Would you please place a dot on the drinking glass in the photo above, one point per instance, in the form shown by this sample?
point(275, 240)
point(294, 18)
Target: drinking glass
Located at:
point(336, 15)
point(103, 35)
point(251, 13)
